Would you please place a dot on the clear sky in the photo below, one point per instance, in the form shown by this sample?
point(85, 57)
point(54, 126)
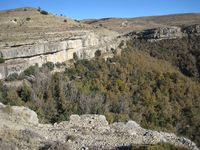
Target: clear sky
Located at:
point(82, 9)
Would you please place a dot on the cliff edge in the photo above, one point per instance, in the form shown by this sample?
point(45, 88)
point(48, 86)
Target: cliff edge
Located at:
point(19, 129)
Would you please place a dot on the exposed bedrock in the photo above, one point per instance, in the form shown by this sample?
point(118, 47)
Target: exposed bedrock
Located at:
point(83, 43)
point(165, 33)
point(19, 129)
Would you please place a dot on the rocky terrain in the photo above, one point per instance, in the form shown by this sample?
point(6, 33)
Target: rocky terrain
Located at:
point(19, 129)
point(29, 36)
point(172, 32)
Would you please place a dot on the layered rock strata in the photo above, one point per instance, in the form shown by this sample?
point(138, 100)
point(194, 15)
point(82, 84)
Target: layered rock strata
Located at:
point(165, 33)
point(82, 43)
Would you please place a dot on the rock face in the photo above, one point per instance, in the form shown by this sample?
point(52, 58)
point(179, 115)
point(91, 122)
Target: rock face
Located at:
point(19, 129)
point(165, 33)
point(47, 38)
point(28, 37)
point(84, 44)
point(194, 29)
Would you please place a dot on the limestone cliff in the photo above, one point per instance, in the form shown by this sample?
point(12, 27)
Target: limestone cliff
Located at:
point(19, 129)
point(172, 32)
point(83, 43)
point(28, 37)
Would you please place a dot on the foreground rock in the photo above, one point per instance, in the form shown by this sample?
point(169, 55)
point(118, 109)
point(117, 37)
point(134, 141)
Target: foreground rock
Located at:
point(19, 129)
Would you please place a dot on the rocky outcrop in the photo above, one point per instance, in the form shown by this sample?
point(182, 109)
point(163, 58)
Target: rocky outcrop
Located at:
point(29, 38)
point(165, 33)
point(194, 29)
point(19, 114)
point(82, 43)
point(19, 129)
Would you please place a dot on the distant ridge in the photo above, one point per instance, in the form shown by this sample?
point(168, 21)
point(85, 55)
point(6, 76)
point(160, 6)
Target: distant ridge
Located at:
point(141, 23)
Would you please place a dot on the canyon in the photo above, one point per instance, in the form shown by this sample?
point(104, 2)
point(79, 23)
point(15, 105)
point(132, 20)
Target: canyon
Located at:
point(49, 38)
point(29, 37)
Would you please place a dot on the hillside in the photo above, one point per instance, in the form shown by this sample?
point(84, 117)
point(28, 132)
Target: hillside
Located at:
point(143, 69)
point(30, 36)
point(18, 24)
point(125, 25)
point(131, 86)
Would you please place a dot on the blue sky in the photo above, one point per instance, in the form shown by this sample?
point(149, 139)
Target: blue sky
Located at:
point(82, 9)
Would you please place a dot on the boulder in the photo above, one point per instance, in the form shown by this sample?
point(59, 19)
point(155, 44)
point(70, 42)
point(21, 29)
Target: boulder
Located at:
point(24, 114)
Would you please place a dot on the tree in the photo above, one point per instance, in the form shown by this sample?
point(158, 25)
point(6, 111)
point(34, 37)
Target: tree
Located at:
point(25, 92)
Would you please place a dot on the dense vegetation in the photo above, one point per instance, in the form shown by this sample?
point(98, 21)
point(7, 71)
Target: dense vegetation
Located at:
point(183, 53)
point(131, 86)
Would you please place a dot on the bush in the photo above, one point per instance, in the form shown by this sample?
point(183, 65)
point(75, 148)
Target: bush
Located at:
point(32, 70)
point(75, 57)
point(2, 60)
point(12, 77)
point(39, 9)
point(49, 65)
point(98, 53)
point(25, 92)
point(28, 19)
point(58, 65)
point(114, 51)
point(43, 12)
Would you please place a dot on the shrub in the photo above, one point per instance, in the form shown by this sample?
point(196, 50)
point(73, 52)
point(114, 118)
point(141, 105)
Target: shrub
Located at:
point(32, 70)
point(75, 57)
point(39, 9)
point(58, 65)
point(113, 51)
point(98, 53)
point(70, 137)
point(25, 92)
point(49, 65)
point(77, 21)
point(43, 12)
point(28, 19)
point(2, 60)
point(65, 20)
point(12, 77)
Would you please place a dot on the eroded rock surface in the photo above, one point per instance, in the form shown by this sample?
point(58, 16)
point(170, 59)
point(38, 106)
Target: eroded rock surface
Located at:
point(19, 129)
point(172, 32)
point(28, 37)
